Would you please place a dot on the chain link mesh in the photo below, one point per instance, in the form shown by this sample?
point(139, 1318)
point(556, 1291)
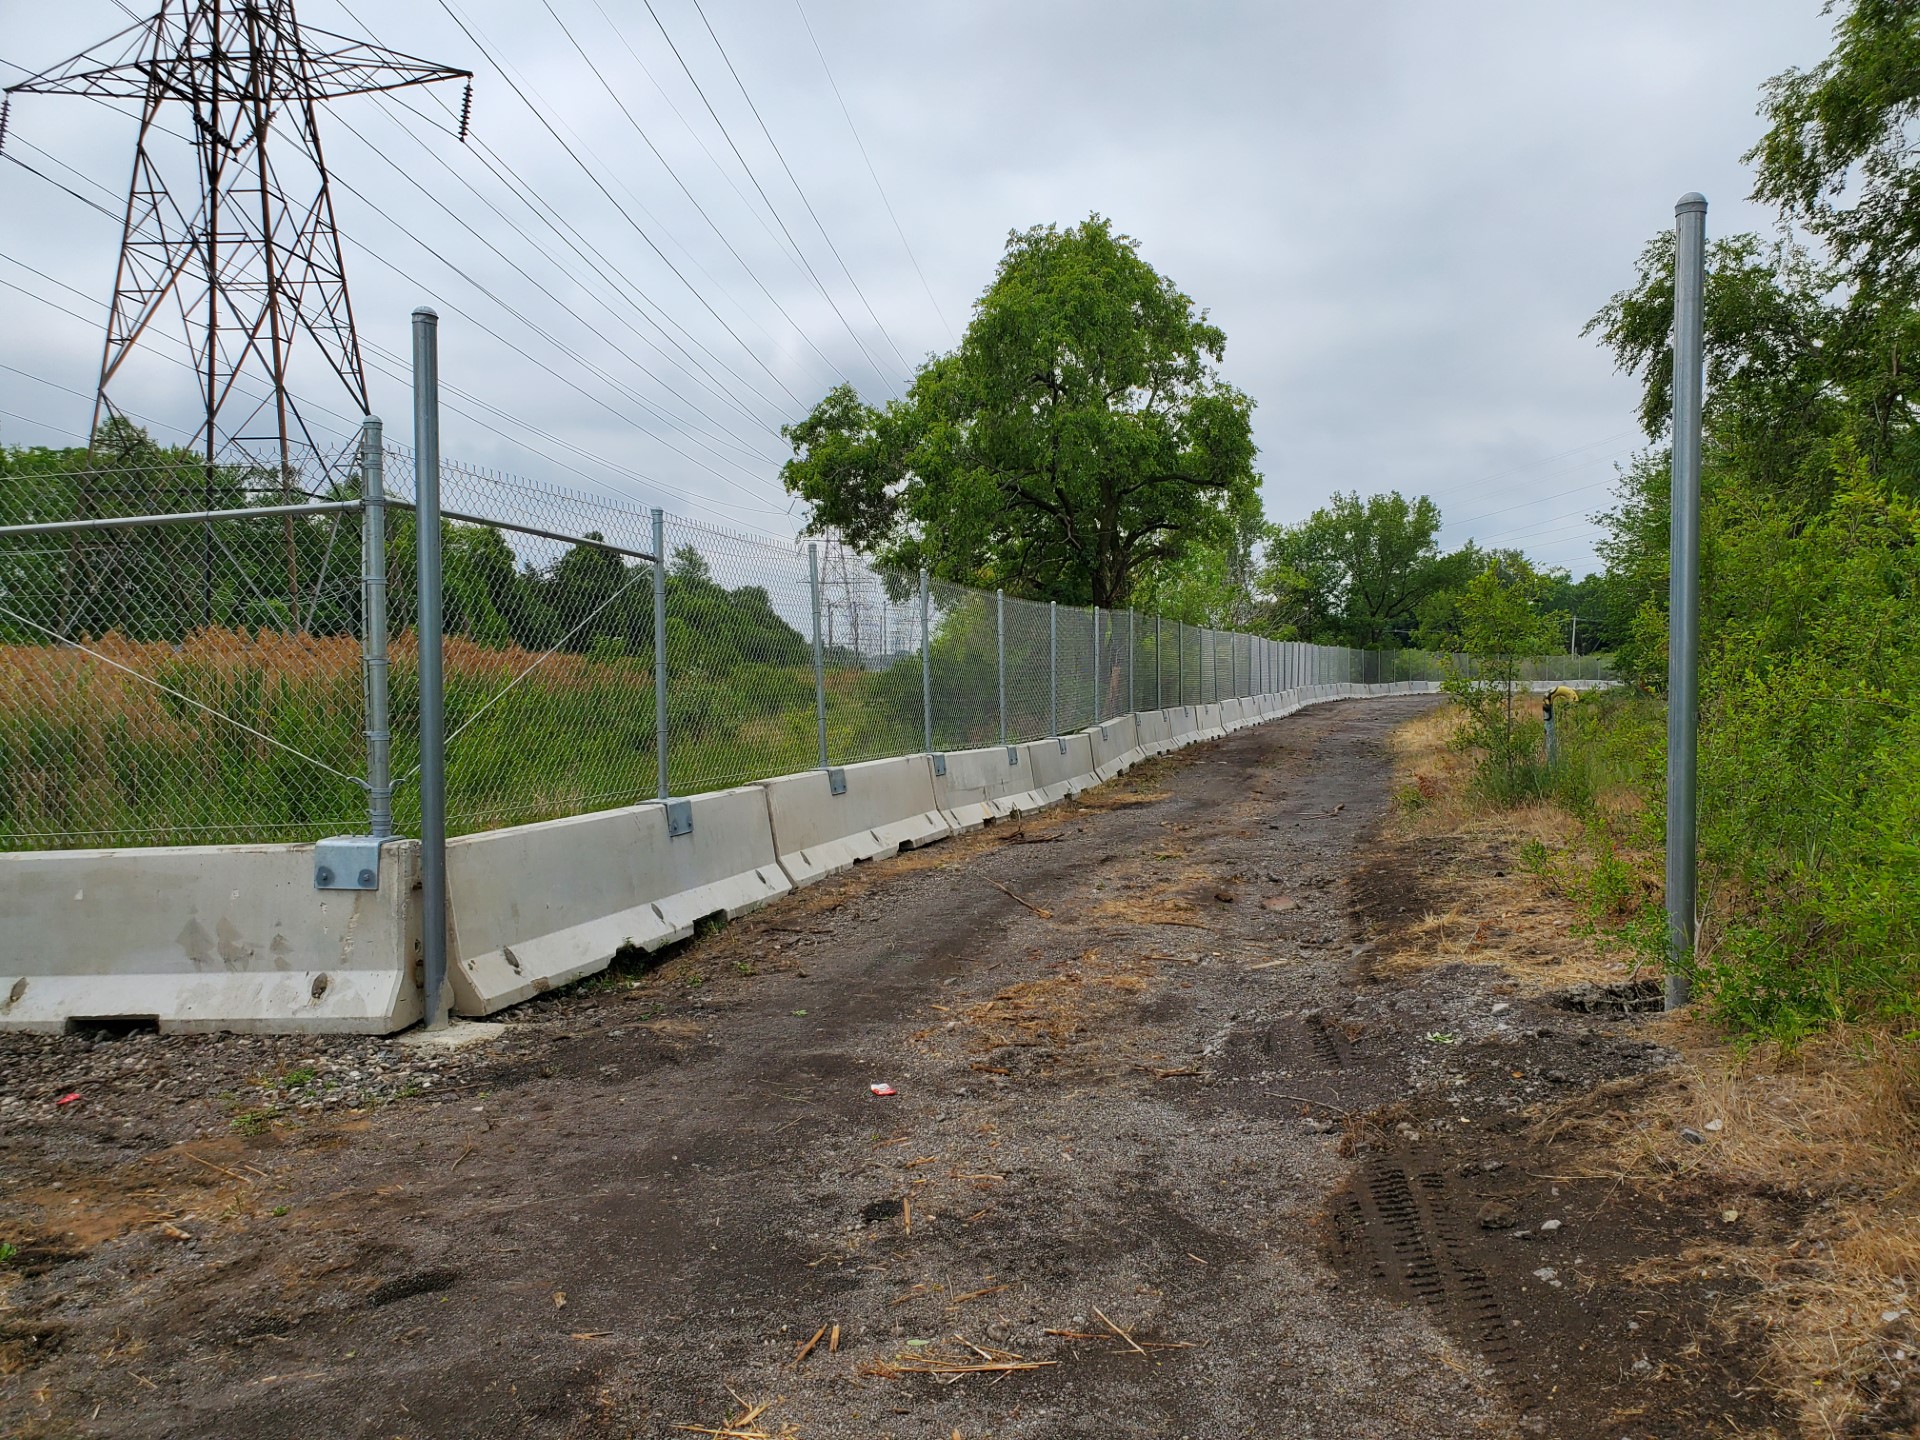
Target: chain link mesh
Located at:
point(187, 682)
point(201, 681)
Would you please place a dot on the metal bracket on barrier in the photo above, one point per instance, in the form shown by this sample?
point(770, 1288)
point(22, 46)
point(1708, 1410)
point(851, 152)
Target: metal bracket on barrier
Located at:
point(679, 817)
point(939, 764)
point(1013, 755)
point(1063, 744)
point(836, 780)
point(347, 862)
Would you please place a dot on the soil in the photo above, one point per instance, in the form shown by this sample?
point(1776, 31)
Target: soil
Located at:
point(1170, 1155)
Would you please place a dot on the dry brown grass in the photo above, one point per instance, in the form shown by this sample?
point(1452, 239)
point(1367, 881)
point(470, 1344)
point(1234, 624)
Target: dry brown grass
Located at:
point(1481, 910)
point(1051, 1011)
point(1104, 798)
point(1816, 1150)
point(1831, 1130)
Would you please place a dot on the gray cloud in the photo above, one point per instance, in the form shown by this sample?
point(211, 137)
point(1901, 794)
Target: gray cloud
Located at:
point(1401, 213)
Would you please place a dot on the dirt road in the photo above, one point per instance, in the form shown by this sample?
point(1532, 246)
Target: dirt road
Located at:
point(1165, 1160)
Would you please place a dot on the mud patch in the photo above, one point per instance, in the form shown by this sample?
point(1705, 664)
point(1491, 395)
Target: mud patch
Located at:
point(1629, 997)
point(1539, 1274)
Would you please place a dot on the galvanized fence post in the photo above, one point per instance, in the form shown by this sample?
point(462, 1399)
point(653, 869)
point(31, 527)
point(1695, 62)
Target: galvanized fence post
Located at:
point(660, 649)
point(1096, 665)
point(1053, 667)
point(373, 629)
point(819, 661)
point(1683, 598)
point(433, 735)
point(1000, 654)
point(926, 666)
point(1133, 655)
point(1159, 689)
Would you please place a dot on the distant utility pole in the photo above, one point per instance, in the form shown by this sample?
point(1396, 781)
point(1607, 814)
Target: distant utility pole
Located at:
point(1683, 593)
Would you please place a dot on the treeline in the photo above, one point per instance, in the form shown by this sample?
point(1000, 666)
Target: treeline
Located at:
point(302, 574)
point(1371, 574)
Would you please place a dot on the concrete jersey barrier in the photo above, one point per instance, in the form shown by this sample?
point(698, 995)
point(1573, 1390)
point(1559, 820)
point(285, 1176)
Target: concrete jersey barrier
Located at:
point(1115, 745)
point(981, 786)
point(207, 937)
point(1062, 766)
point(537, 906)
point(1156, 732)
point(882, 807)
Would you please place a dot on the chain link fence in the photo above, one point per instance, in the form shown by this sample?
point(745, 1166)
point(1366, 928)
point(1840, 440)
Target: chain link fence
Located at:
point(189, 653)
point(178, 680)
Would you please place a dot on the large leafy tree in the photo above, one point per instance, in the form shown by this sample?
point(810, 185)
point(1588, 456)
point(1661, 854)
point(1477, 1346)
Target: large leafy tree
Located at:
point(1358, 572)
point(1079, 436)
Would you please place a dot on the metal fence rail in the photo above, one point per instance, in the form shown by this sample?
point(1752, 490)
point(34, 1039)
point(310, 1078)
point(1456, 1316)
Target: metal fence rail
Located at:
point(194, 655)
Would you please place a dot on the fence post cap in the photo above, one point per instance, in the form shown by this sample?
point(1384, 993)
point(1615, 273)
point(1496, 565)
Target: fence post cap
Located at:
point(427, 312)
point(1693, 202)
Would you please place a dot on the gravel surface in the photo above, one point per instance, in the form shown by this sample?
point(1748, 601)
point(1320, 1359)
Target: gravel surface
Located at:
point(1164, 1160)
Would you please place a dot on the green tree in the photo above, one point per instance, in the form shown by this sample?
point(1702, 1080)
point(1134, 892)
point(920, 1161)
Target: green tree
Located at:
point(1502, 625)
point(1810, 545)
point(1838, 155)
point(1214, 583)
point(1357, 572)
point(1078, 437)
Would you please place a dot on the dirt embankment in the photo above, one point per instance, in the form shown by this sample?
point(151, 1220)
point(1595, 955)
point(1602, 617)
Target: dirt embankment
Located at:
point(1181, 1146)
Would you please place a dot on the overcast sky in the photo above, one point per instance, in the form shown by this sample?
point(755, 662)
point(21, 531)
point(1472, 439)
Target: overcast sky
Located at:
point(1401, 214)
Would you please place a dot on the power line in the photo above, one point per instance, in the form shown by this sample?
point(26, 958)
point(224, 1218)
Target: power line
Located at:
point(728, 437)
point(1485, 480)
point(727, 134)
point(854, 130)
point(614, 95)
point(599, 185)
point(797, 189)
point(402, 377)
point(697, 138)
point(391, 366)
point(570, 237)
point(548, 370)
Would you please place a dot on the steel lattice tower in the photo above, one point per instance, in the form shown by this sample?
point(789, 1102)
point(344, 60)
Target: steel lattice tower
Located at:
point(252, 261)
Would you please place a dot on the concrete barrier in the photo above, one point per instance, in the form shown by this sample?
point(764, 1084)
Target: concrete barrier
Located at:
point(1062, 766)
point(883, 807)
point(1183, 722)
point(1116, 747)
point(1156, 732)
point(1207, 725)
point(536, 906)
point(982, 786)
point(207, 937)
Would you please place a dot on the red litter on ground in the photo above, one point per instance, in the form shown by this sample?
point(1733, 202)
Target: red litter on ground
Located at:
point(68, 1099)
point(877, 1089)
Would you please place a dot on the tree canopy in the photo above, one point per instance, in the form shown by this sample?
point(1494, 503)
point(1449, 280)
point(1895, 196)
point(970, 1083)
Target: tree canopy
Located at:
point(1358, 572)
point(1078, 436)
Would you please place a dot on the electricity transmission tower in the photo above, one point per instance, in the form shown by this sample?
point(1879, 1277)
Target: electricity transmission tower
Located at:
point(246, 247)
